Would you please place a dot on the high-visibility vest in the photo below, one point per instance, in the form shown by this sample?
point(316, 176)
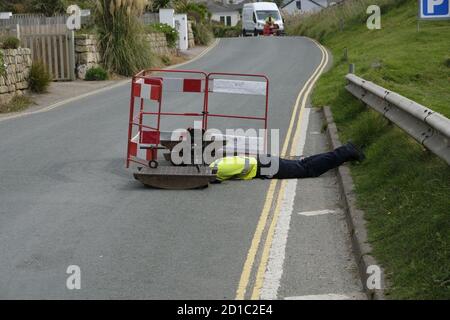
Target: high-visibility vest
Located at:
point(237, 167)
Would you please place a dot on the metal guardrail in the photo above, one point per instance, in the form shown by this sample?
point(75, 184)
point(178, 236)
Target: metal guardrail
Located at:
point(429, 128)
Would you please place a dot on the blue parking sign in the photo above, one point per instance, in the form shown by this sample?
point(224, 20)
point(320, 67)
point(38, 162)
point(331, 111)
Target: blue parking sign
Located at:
point(434, 9)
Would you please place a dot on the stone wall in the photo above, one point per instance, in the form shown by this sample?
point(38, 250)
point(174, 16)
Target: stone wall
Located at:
point(86, 54)
point(191, 41)
point(158, 44)
point(15, 79)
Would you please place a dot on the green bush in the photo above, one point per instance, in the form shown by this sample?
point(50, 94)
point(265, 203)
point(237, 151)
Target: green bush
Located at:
point(122, 44)
point(40, 78)
point(447, 62)
point(170, 33)
point(10, 43)
point(16, 104)
point(222, 31)
point(2, 64)
point(165, 60)
point(95, 74)
point(202, 33)
point(195, 11)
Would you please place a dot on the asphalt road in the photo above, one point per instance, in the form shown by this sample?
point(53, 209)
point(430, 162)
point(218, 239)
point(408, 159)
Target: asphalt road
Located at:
point(66, 199)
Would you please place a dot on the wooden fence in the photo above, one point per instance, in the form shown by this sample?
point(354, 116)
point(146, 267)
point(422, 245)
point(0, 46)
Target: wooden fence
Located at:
point(55, 51)
point(50, 41)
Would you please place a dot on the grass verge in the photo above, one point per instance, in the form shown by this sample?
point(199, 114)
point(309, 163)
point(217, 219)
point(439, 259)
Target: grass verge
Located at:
point(18, 103)
point(403, 189)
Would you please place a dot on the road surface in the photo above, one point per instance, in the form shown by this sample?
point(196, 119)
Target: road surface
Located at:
point(66, 199)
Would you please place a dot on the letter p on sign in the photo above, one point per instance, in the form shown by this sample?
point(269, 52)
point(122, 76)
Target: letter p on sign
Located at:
point(434, 9)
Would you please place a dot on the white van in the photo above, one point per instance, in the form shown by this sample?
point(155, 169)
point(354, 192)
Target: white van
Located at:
point(254, 17)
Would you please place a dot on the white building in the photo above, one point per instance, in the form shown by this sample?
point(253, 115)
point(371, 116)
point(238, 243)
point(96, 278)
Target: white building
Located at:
point(227, 12)
point(303, 6)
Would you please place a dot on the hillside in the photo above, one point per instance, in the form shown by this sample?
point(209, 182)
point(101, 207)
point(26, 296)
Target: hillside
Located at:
point(403, 189)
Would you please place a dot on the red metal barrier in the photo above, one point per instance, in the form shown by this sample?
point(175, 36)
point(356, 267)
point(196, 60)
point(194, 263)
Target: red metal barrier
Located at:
point(143, 146)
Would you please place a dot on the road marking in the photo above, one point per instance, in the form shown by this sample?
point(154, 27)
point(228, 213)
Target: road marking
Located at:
point(328, 296)
point(113, 86)
point(315, 132)
point(273, 272)
point(248, 265)
point(277, 253)
point(317, 212)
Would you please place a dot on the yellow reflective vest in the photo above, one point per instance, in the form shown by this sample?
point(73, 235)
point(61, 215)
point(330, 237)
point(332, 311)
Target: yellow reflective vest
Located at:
point(237, 167)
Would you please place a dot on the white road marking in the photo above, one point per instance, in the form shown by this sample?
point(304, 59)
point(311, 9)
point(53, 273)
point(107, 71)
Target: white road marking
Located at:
point(329, 296)
point(317, 212)
point(274, 270)
point(315, 132)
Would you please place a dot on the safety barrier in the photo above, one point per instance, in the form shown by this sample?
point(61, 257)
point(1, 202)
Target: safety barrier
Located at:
point(146, 86)
point(429, 128)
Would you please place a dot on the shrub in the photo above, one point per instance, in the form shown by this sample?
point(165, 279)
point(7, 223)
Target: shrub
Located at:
point(202, 33)
point(121, 40)
point(165, 60)
point(195, 11)
point(10, 43)
point(170, 33)
point(48, 7)
point(221, 31)
point(2, 64)
point(447, 62)
point(95, 74)
point(17, 103)
point(159, 4)
point(40, 78)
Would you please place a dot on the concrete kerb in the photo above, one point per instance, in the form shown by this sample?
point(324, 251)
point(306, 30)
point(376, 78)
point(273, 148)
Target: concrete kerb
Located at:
point(355, 217)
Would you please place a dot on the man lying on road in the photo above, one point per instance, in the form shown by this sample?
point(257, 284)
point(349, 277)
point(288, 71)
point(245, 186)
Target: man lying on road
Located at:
point(246, 168)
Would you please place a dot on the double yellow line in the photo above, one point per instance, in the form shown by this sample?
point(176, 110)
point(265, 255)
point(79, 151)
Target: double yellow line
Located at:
point(301, 100)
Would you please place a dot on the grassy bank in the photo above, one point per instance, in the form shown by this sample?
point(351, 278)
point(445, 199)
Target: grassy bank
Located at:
point(403, 189)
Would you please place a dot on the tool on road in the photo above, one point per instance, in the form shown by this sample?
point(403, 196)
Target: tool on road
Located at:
point(146, 137)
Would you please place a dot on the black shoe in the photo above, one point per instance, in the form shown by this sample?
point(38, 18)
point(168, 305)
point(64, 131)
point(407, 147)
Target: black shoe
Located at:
point(356, 152)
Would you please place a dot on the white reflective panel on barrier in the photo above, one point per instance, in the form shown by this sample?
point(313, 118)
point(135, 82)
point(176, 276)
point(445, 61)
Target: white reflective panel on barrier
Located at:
point(173, 84)
point(239, 86)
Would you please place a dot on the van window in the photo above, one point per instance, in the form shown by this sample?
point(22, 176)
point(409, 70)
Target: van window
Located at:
point(254, 17)
point(264, 14)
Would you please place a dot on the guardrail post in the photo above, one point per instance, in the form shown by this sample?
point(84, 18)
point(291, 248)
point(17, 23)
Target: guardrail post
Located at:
point(351, 68)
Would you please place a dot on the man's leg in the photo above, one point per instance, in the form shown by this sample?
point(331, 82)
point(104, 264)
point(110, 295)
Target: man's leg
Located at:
point(321, 163)
point(316, 165)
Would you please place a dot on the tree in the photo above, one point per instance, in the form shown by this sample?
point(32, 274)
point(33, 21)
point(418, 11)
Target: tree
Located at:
point(160, 4)
point(48, 7)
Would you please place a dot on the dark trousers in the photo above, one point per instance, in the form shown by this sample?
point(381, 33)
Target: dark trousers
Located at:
point(309, 167)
